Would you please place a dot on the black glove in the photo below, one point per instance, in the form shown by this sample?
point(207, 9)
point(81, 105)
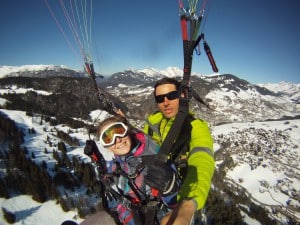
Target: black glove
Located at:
point(162, 177)
point(93, 152)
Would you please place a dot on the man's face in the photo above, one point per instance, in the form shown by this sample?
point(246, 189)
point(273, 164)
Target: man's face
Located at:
point(169, 108)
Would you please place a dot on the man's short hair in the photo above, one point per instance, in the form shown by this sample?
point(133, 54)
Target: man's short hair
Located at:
point(167, 80)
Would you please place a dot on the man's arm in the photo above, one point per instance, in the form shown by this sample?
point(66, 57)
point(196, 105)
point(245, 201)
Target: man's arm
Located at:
point(201, 165)
point(183, 215)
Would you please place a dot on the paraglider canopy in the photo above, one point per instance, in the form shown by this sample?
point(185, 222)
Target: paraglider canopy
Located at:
point(74, 20)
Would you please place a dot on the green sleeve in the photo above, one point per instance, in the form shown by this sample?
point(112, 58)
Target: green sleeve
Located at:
point(145, 128)
point(201, 165)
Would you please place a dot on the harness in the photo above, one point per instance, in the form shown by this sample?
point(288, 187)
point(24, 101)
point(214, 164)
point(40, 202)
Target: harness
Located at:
point(143, 208)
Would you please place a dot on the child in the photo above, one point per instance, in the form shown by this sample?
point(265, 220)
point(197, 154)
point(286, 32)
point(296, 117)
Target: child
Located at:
point(127, 194)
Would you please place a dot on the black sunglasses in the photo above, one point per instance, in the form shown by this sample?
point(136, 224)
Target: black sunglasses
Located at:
point(170, 96)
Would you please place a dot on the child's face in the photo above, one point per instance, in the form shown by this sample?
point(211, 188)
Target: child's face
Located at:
point(122, 146)
point(115, 138)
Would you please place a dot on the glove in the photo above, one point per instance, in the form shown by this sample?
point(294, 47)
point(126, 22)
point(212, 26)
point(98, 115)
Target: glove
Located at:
point(162, 177)
point(93, 152)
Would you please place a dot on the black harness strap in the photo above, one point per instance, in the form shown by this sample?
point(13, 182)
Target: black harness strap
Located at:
point(198, 98)
point(182, 143)
point(136, 217)
point(150, 214)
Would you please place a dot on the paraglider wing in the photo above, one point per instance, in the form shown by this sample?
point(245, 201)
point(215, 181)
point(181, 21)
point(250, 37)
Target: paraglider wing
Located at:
point(77, 23)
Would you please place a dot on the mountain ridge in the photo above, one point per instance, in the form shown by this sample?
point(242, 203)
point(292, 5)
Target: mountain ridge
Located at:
point(230, 98)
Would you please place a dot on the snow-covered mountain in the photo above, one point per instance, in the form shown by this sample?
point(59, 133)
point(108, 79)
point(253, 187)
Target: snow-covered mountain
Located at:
point(257, 175)
point(38, 71)
point(230, 98)
point(290, 90)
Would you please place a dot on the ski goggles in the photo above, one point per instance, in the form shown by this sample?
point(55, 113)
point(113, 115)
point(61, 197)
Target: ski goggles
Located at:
point(114, 130)
point(170, 96)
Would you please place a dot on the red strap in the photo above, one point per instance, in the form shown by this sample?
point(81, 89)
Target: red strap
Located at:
point(183, 22)
point(95, 158)
point(88, 69)
point(154, 192)
point(210, 57)
point(127, 219)
point(184, 28)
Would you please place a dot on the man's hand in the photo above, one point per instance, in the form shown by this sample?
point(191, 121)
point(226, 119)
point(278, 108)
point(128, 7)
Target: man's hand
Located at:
point(183, 215)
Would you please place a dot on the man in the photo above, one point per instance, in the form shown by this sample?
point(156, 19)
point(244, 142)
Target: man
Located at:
point(199, 154)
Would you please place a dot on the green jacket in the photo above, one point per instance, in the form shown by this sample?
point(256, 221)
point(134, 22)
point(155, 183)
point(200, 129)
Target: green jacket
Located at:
point(200, 157)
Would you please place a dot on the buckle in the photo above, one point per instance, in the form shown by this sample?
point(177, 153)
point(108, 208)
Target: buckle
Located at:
point(187, 91)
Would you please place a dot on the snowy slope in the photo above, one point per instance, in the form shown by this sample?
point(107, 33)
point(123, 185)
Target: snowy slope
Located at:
point(292, 91)
point(30, 212)
point(27, 210)
point(265, 164)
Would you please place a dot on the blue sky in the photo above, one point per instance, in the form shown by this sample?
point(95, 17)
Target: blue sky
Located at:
point(257, 40)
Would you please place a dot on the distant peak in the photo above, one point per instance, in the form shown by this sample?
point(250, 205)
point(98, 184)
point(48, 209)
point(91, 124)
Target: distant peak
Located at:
point(38, 70)
point(169, 71)
point(6, 70)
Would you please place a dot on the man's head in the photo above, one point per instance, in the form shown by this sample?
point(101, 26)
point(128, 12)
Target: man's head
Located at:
point(166, 93)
